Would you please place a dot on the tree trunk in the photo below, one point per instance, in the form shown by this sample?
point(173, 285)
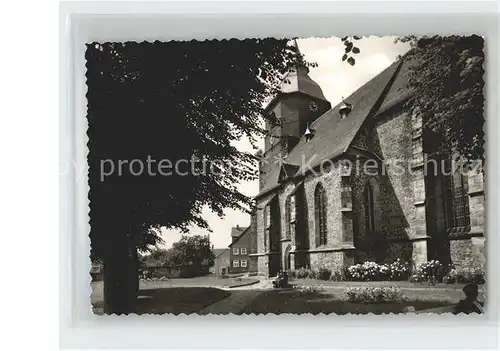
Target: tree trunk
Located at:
point(121, 280)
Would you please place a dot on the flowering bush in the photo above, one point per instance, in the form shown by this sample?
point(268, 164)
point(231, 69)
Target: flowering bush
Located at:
point(431, 271)
point(368, 294)
point(154, 279)
point(365, 271)
point(311, 289)
point(370, 271)
point(337, 276)
point(399, 270)
point(465, 276)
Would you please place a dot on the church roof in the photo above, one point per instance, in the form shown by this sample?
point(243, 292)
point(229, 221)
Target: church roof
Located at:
point(334, 135)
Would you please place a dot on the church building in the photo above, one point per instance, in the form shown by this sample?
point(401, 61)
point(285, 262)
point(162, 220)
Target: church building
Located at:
point(331, 194)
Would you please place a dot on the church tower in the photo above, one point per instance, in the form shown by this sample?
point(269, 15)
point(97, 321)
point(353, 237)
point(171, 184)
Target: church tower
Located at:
point(299, 102)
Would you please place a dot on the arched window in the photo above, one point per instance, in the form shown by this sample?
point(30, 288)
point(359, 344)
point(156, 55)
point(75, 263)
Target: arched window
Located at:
point(369, 207)
point(320, 214)
point(291, 210)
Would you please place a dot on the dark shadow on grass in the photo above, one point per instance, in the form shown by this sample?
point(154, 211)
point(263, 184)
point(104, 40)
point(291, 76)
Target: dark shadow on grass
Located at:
point(177, 300)
point(296, 302)
point(174, 300)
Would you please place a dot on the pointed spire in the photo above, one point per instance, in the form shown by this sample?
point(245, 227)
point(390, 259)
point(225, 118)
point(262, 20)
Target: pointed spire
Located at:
point(296, 44)
point(301, 65)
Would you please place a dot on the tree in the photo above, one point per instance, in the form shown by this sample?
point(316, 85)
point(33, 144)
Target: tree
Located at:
point(446, 77)
point(350, 49)
point(158, 114)
point(192, 251)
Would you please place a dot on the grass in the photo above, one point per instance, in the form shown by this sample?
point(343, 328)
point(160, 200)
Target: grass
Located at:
point(176, 300)
point(296, 302)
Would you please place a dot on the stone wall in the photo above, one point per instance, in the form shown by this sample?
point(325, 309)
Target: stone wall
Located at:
point(331, 260)
point(329, 177)
point(468, 253)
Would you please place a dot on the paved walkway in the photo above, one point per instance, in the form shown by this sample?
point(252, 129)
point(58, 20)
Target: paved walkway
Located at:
point(234, 303)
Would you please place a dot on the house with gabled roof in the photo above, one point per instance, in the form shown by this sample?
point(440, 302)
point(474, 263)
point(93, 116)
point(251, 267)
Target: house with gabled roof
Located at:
point(221, 261)
point(242, 249)
point(318, 206)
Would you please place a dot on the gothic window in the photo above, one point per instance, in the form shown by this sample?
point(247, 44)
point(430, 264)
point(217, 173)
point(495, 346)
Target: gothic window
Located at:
point(268, 216)
point(267, 224)
point(291, 209)
point(369, 207)
point(320, 214)
point(456, 199)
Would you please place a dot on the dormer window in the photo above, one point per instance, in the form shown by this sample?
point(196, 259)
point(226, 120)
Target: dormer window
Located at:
point(309, 134)
point(344, 109)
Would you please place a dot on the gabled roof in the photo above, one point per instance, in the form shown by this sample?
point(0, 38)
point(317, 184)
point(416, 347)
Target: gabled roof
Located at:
point(237, 231)
point(218, 252)
point(333, 135)
point(240, 236)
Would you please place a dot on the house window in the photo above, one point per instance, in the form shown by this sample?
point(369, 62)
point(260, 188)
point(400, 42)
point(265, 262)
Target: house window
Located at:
point(235, 251)
point(236, 263)
point(369, 208)
point(243, 263)
point(243, 251)
point(457, 199)
point(320, 214)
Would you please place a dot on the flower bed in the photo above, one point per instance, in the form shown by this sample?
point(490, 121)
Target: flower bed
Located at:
point(431, 272)
point(369, 294)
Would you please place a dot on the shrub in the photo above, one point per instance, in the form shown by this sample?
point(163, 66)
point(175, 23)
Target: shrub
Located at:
point(368, 294)
point(324, 274)
point(337, 276)
point(431, 272)
point(302, 273)
point(365, 271)
point(311, 289)
point(312, 274)
point(465, 276)
point(399, 270)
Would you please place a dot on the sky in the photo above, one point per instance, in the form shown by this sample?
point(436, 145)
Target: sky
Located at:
point(337, 79)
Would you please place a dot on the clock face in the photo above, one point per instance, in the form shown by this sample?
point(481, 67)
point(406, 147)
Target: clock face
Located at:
point(313, 106)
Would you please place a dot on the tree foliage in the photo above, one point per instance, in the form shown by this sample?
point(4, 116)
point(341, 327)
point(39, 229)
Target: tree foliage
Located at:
point(188, 251)
point(184, 102)
point(350, 49)
point(192, 251)
point(446, 77)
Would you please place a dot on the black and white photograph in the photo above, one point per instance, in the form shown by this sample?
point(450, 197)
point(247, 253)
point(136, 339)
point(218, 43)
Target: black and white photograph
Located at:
point(306, 175)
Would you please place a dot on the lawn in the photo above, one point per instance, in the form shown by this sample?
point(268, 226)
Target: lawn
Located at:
point(296, 302)
point(174, 300)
